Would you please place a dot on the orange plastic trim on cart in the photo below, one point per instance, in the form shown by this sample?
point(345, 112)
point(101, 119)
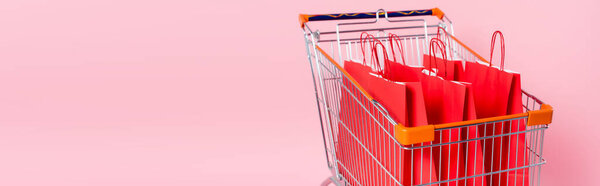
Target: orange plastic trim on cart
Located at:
point(303, 18)
point(413, 135)
point(540, 117)
point(437, 12)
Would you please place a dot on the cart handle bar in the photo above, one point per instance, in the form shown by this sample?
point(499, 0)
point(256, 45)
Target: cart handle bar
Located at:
point(304, 18)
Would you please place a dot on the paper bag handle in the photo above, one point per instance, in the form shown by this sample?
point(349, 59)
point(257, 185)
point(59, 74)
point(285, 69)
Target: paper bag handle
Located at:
point(497, 33)
point(440, 44)
point(396, 38)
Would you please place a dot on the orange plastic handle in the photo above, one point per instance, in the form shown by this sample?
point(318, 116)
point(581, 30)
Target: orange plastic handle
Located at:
point(304, 18)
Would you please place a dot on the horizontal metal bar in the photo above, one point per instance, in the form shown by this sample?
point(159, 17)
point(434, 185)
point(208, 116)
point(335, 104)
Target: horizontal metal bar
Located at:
point(376, 29)
point(482, 123)
point(365, 15)
point(384, 37)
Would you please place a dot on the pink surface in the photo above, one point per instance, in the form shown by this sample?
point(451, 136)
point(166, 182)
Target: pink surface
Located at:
point(135, 92)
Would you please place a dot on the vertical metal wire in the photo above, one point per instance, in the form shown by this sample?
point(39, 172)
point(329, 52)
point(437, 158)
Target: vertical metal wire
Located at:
point(440, 157)
point(328, 120)
point(535, 152)
point(430, 162)
point(449, 132)
point(459, 158)
point(525, 171)
point(412, 157)
point(421, 176)
point(418, 52)
point(516, 153)
point(413, 51)
point(539, 174)
point(500, 155)
point(309, 54)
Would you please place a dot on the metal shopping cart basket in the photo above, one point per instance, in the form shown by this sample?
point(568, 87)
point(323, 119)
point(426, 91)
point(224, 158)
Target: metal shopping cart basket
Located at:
point(370, 154)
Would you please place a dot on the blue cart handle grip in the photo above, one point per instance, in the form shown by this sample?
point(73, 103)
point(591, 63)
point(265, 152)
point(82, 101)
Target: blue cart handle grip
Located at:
point(304, 18)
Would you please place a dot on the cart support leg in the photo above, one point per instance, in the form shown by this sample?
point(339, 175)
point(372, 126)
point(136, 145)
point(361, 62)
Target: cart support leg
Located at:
point(329, 181)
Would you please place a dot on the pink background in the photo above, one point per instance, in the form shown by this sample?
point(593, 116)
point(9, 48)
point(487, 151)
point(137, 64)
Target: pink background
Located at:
point(183, 92)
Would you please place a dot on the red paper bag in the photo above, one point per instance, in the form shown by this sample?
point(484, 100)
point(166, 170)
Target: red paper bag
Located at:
point(445, 103)
point(473, 150)
point(400, 72)
point(391, 94)
point(495, 93)
point(516, 144)
point(421, 167)
point(491, 90)
point(515, 152)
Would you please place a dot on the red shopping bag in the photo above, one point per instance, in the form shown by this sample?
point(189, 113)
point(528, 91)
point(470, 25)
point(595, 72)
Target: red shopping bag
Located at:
point(472, 150)
point(516, 144)
point(424, 170)
point(409, 75)
point(417, 166)
point(445, 103)
point(491, 90)
point(391, 94)
point(494, 90)
point(446, 98)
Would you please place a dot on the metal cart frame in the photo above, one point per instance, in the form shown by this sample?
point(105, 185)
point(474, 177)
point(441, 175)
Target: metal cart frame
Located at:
point(366, 152)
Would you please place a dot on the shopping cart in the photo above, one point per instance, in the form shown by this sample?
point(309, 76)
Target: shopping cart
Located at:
point(363, 155)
